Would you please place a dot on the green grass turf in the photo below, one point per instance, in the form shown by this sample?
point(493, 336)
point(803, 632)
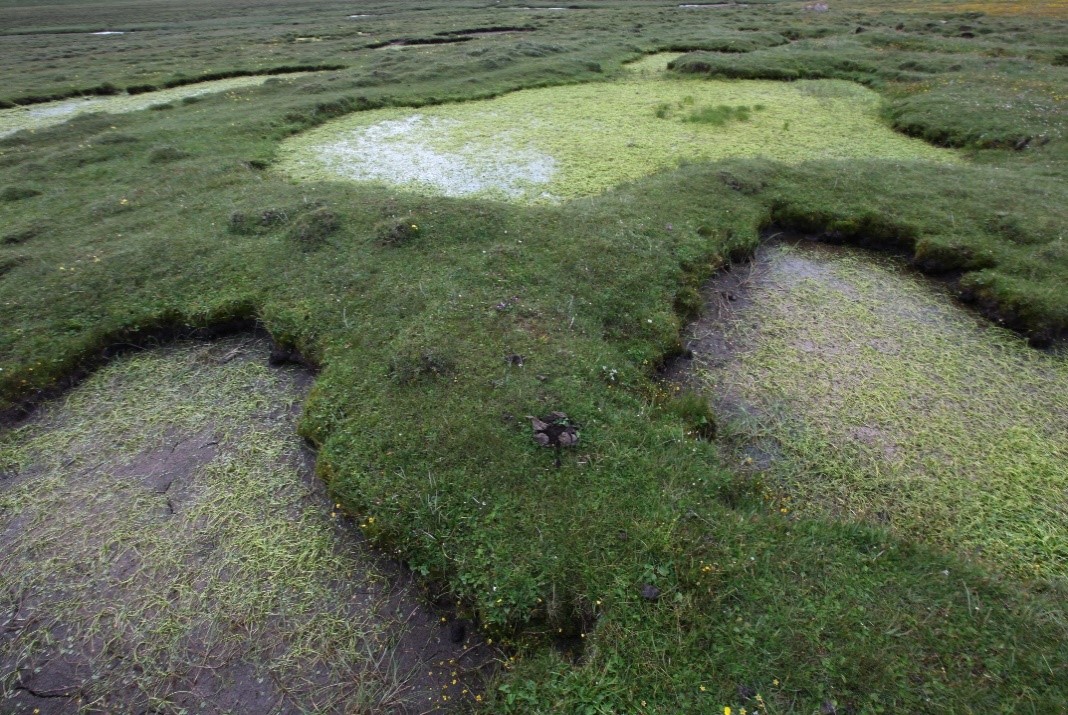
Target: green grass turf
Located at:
point(176, 218)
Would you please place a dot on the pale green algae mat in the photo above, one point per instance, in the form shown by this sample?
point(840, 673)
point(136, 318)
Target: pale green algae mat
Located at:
point(859, 390)
point(47, 114)
point(545, 145)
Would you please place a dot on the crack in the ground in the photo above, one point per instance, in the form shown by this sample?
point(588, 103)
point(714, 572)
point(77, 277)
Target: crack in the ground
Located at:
point(43, 695)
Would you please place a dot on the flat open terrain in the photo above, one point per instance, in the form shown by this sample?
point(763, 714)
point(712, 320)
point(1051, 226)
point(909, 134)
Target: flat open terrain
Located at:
point(465, 215)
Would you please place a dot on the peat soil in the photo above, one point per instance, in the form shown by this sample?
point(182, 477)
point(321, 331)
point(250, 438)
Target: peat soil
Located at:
point(67, 644)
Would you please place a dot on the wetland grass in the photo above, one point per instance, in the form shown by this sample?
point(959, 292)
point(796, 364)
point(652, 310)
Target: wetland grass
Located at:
point(883, 402)
point(417, 410)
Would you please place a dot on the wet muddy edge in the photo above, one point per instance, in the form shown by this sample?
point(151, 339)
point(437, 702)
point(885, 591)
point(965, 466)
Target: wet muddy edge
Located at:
point(432, 613)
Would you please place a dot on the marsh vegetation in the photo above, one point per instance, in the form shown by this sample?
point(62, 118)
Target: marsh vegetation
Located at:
point(919, 563)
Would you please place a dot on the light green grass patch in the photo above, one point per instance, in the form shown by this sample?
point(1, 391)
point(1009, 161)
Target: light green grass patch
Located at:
point(559, 143)
point(885, 401)
point(650, 66)
point(47, 114)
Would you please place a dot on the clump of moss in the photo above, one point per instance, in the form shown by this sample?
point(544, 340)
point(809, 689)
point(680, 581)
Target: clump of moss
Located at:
point(424, 365)
point(166, 154)
point(719, 115)
point(8, 264)
point(396, 231)
point(117, 138)
point(696, 412)
point(23, 234)
point(249, 223)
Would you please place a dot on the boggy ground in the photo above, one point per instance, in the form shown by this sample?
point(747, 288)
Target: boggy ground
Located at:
point(37, 116)
point(561, 143)
point(165, 547)
point(849, 387)
point(117, 225)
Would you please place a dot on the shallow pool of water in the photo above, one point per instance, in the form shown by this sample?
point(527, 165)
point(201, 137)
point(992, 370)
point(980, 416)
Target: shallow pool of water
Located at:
point(39, 116)
point(546, 145)
point(854, 388)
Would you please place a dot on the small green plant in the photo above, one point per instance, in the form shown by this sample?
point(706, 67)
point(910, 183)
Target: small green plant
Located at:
point(719, 115)
point(694, 410)
point(716, 115)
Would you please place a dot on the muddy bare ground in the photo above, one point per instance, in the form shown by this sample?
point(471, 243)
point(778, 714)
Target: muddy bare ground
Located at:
point(165, 547)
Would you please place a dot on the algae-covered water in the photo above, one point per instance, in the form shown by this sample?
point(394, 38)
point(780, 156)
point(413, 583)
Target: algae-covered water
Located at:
point(857, 389)
point(39, 116)
point(558, 143)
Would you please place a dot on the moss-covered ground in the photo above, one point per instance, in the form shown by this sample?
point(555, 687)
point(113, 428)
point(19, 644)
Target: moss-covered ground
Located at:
point(117, 226)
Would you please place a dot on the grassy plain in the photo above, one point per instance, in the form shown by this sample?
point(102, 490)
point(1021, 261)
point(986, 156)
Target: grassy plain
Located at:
point(115, 226)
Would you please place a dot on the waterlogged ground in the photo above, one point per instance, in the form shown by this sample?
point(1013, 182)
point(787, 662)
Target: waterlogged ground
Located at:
point(544, 145)
point(47, 114)
point(165, 548)
point(859, 390)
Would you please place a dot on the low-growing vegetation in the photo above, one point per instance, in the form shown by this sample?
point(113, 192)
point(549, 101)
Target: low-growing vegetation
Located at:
point(649, 573)
point(550, 144)
point(163, 547)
